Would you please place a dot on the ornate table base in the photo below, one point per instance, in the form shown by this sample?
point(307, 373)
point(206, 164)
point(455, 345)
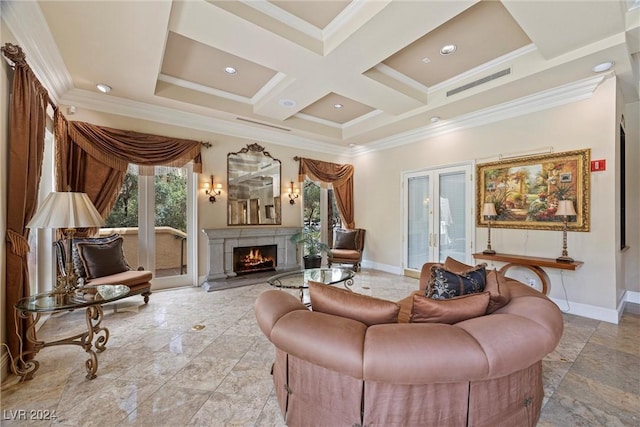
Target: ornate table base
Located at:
point(93, 315)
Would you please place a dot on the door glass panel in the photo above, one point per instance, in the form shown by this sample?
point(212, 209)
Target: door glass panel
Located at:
point(123, 218)
point(418, 222)
point(170, 221)
point(452, 216)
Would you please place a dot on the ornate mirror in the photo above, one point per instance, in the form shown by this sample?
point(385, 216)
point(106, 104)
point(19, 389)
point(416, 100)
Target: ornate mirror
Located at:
point(253, 179)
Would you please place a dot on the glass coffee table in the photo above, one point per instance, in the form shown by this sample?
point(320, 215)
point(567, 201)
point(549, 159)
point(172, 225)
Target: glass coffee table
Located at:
point(92, 301)
point(299, 279)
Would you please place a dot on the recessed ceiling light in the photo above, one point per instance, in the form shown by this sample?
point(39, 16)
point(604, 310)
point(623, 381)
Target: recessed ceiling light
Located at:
point(103, 88)
point(605, 66)
point(435, 119)
point(288, 103)
point(231, 71)
point(448, 49)
point(338, 106)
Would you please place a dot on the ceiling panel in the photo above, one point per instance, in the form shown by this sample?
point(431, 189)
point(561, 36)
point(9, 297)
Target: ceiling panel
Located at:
point(482, 33)
point(336, 108)
point(196, 62)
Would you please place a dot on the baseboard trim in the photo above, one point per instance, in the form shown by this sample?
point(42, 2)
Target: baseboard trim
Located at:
point(586, 310)
point(382, 267)
point(632, 296)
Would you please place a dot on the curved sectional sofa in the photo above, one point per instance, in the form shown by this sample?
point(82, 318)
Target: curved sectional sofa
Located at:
point(331, 370)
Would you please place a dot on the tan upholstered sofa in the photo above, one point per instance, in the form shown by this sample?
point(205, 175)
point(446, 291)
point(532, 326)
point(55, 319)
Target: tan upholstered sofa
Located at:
point(101, 261)
point(331, 370)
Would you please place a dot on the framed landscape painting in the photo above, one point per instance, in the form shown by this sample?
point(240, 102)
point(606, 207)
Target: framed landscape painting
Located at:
point(526, 191)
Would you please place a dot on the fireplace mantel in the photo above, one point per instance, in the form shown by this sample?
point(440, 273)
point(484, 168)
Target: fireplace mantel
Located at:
point(223, 240)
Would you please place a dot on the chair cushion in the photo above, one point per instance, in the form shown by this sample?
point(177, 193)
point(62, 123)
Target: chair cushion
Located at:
point(496, 285)
point(130, 278)
point(445, 284)
point(341, 302)
point(452, 310)
point(345, 254)
point(344, 239)
point(102, 259)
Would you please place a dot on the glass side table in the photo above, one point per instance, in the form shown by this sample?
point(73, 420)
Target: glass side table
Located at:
point(299, 279)
point(91, 299)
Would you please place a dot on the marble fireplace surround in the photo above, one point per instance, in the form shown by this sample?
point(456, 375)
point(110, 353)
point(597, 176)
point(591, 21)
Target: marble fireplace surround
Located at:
point(223, 240)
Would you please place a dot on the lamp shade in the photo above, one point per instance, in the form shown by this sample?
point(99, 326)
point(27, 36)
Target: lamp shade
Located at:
point(66, 210)
point(565, 208)
point(489, 209)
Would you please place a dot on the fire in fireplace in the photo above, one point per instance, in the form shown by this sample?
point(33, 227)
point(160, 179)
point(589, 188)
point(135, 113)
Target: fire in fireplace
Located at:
point(251, 259)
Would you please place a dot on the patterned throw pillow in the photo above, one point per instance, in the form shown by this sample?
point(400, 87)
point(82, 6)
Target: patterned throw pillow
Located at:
point(446, 284)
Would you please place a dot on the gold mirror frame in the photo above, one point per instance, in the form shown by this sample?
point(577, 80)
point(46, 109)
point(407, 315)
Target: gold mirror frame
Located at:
point(253, 182)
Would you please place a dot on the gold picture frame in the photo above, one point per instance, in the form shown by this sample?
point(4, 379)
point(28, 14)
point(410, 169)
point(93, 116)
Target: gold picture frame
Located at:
point(526, 190)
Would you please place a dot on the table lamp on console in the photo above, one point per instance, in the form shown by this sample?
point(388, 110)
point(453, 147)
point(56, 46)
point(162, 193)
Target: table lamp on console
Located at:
point(565, 210)
point(66, 210)
point(489, 213)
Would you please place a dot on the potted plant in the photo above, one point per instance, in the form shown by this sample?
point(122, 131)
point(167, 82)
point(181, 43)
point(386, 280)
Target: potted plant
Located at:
point(313, 247)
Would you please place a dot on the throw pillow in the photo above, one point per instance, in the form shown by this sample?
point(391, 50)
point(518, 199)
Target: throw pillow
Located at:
point(341, 302)
point(498, 290)
point(453, 310)
point(456, 266)
point(344, 239)
point(78, 267)
point(445, 284)
point(102, 259)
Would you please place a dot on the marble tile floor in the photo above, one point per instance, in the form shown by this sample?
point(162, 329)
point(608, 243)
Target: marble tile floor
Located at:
point(158, 370)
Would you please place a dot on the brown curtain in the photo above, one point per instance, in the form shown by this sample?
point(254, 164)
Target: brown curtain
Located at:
point(94, 159)
point(340, 176)
point(27, 122)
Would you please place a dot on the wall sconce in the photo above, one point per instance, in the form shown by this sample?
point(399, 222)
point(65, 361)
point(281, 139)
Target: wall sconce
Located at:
point(565, 209)
point(489, 212)
point(212, 191)
point(293, 194)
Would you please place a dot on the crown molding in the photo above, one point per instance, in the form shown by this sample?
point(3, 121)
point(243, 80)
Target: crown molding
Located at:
point(572, 92)
point(144, 111)
point(29, 27)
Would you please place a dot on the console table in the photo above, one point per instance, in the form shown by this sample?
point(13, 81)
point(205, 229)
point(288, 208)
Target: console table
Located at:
point(534, 264)
point(37, 304)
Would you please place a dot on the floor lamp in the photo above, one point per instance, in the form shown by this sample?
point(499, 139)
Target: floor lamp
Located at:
point(565, 210)
point(68, 211)
point(489, 212)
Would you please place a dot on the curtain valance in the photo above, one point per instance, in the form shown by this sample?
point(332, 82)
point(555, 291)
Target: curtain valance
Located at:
point(340, 176)
point(117, 148)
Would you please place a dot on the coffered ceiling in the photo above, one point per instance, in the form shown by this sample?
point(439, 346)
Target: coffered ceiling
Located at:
point(334, 73)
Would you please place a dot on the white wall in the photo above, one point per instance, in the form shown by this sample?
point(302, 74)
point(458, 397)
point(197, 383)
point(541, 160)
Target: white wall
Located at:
point(584, 124)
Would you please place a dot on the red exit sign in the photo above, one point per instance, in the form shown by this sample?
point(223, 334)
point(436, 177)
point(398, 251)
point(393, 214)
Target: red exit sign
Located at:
point(598, 165)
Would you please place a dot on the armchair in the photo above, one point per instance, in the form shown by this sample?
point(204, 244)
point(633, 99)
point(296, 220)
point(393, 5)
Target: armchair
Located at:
point(347, 247)
point(99, 261)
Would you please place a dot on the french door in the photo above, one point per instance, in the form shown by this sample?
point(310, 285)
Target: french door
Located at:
point(155, 215)
point(438, 216)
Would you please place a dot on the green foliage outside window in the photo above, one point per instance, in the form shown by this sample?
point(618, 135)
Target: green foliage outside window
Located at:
point(170, 201)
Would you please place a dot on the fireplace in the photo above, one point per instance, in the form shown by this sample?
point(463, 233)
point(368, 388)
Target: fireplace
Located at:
point(252, 259)
point(222, 242)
